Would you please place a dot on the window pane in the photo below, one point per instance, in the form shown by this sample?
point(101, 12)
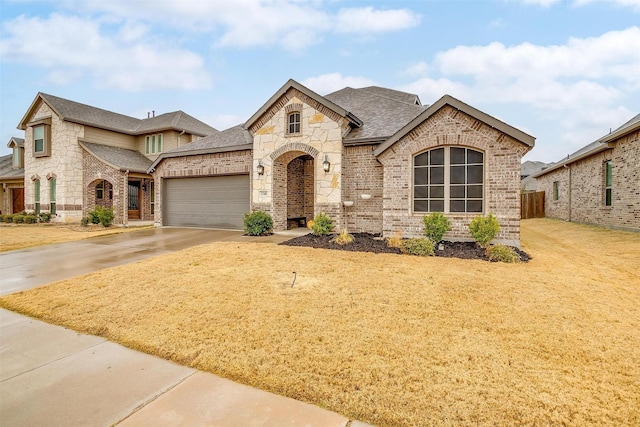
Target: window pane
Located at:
point(457, 156)
point(437, 192)
point(457, 191)
point(456, 206)
point(420, 206)
point(160, 143)
point(421, 176)
point(474, 156)
point(36, 189)
point(39, 145)
point(474, 206)
point(421, 192)
point(437, 156)
point(421, 159)
point(52, 190)
point(38, 132)
point(474, 174)
point(474, 191)
point(608, 201)
point(437, 175)
point(147, 145)
point(153, 143)
point(436, 206)
point(457, 175)
point(609, 174)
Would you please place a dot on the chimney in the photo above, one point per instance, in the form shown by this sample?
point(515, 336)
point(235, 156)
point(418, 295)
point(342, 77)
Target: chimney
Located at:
point(154, 113)
point(148, 114)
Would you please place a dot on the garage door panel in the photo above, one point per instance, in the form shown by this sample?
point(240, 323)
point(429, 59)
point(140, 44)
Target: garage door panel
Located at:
point(217, 202)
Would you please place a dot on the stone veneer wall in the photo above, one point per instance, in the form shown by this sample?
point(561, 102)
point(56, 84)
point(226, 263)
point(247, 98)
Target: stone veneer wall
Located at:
point(450, 127)
point(362, 174)
point(588, 188)
point(229, 163)
point(321, 135)
point(65, 163)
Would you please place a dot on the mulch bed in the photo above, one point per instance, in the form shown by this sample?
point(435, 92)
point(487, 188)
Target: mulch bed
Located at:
point(367, 242)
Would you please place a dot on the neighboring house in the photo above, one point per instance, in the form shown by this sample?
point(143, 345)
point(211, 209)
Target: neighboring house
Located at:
point(78, 157)
point(527, 170)
point(12, 178)
point(373, 159)
point(599, 184)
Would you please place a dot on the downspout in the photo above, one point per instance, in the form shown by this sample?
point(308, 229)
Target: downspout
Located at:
point(569, 195)
point(179, 135)
point(125, 200)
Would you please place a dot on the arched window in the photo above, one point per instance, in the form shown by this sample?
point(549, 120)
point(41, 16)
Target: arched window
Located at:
point(449, 180)
point(293, 121)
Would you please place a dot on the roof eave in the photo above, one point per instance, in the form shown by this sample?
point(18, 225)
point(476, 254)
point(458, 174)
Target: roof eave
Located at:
point(620, 133)
point(197, 152)
point(23, 123)
point(517, 134)
point(571, 160)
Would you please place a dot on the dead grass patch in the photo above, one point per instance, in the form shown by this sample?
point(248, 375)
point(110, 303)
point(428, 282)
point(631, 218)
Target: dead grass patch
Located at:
point(389, 339)
point(20, 236)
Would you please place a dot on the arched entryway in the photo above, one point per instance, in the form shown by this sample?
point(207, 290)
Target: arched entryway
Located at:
point(293, 190)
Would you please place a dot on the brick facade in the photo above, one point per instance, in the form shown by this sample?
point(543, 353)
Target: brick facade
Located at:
point(451, 127)
point(362, 174)
point(229, 163)
point(582, 187)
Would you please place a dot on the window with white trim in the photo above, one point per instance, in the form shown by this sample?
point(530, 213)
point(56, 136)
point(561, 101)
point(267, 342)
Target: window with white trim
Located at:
point(556, 190)
point(153, 144)
point(449, 180)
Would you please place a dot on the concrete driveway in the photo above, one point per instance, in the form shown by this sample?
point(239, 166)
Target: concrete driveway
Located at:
point(40, 265)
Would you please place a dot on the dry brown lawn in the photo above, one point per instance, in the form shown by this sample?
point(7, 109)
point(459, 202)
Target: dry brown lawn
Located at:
point(389, 339)
point(20, 236)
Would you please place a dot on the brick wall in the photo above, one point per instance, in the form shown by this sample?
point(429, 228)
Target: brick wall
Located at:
point(362, 174)
point(93, 172)
point(450, 127)
point(582, 183)
point(229, 163)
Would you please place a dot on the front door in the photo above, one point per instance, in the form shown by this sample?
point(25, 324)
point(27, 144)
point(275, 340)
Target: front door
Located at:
point(17, 198)
point(134, 199)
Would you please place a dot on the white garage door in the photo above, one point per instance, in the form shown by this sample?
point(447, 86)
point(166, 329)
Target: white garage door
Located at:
point(213, 202)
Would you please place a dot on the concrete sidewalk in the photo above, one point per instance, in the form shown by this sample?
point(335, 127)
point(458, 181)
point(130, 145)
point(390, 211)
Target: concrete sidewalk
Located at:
point(53, 376)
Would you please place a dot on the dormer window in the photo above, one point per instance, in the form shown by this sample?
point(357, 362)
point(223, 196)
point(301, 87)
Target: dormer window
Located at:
point(294, 123)
point(18, 157)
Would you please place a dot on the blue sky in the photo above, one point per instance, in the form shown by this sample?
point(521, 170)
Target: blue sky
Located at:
point(563, 71)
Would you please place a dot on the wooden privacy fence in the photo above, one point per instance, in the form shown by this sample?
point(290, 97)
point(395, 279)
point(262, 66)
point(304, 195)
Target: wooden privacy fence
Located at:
point(532, 205)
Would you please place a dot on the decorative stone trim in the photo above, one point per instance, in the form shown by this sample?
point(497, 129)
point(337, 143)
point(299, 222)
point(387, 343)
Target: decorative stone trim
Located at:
point(293, 108)
point(294, 146)
point(35, 177)
point(51, 176)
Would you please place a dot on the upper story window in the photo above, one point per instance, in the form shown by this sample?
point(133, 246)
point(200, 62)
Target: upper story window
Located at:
point(18, 157)
point(293, 121)
point(153, 144)
point(41, 138)
point(608, 183)
point(448, 179)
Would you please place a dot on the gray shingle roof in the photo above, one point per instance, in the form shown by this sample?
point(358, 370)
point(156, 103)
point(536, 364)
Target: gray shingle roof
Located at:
point(87, 115)
point(407, 98)
point(119, 158)
point(6, 168)
point(15, 141)
point(382, 116)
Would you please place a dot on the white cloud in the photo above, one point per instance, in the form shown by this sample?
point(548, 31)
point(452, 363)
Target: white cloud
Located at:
point(71, 47)
point(543, 3)
point(634, 4)
point(416, 70)
point(369, 20)
point(327, 83)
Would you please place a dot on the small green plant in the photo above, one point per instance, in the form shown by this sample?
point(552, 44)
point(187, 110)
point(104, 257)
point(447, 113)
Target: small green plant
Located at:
point(45, 217)
point(484, 229)
point(101, 215)
point(322, 225)
point(418, 246)
point(7, 218)
point(435, 225)
point(18, 219)
point(84, 221)
point(258, 223)
point(30, 219)
point(502, 253)
point(343, 238)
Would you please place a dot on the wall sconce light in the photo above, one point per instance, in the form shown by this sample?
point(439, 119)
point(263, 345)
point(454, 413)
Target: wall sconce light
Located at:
point(326, 165)
point(144, 185)
point(260, 168)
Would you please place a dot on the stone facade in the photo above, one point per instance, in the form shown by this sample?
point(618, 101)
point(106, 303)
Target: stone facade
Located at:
point(451, 127)
point(64, 163)
point(320, 137)
point(228, 163)
point(582, 187)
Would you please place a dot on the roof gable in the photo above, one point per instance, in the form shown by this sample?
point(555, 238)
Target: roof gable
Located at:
point(516, 134)
point(266, 111)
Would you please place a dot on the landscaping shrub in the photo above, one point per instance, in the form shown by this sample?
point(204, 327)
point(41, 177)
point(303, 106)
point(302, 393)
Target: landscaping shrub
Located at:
point(30, 219)
point(258, 223)
point(45, 217)
point(18, 219)
point(322, 225)
point(484, 229)
point(101, 215)
point(395, 241)
point(7, 217)
point(419, 246)
point(502, 253)
point(343, 238)
point(435, 225)
point(84, 221)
